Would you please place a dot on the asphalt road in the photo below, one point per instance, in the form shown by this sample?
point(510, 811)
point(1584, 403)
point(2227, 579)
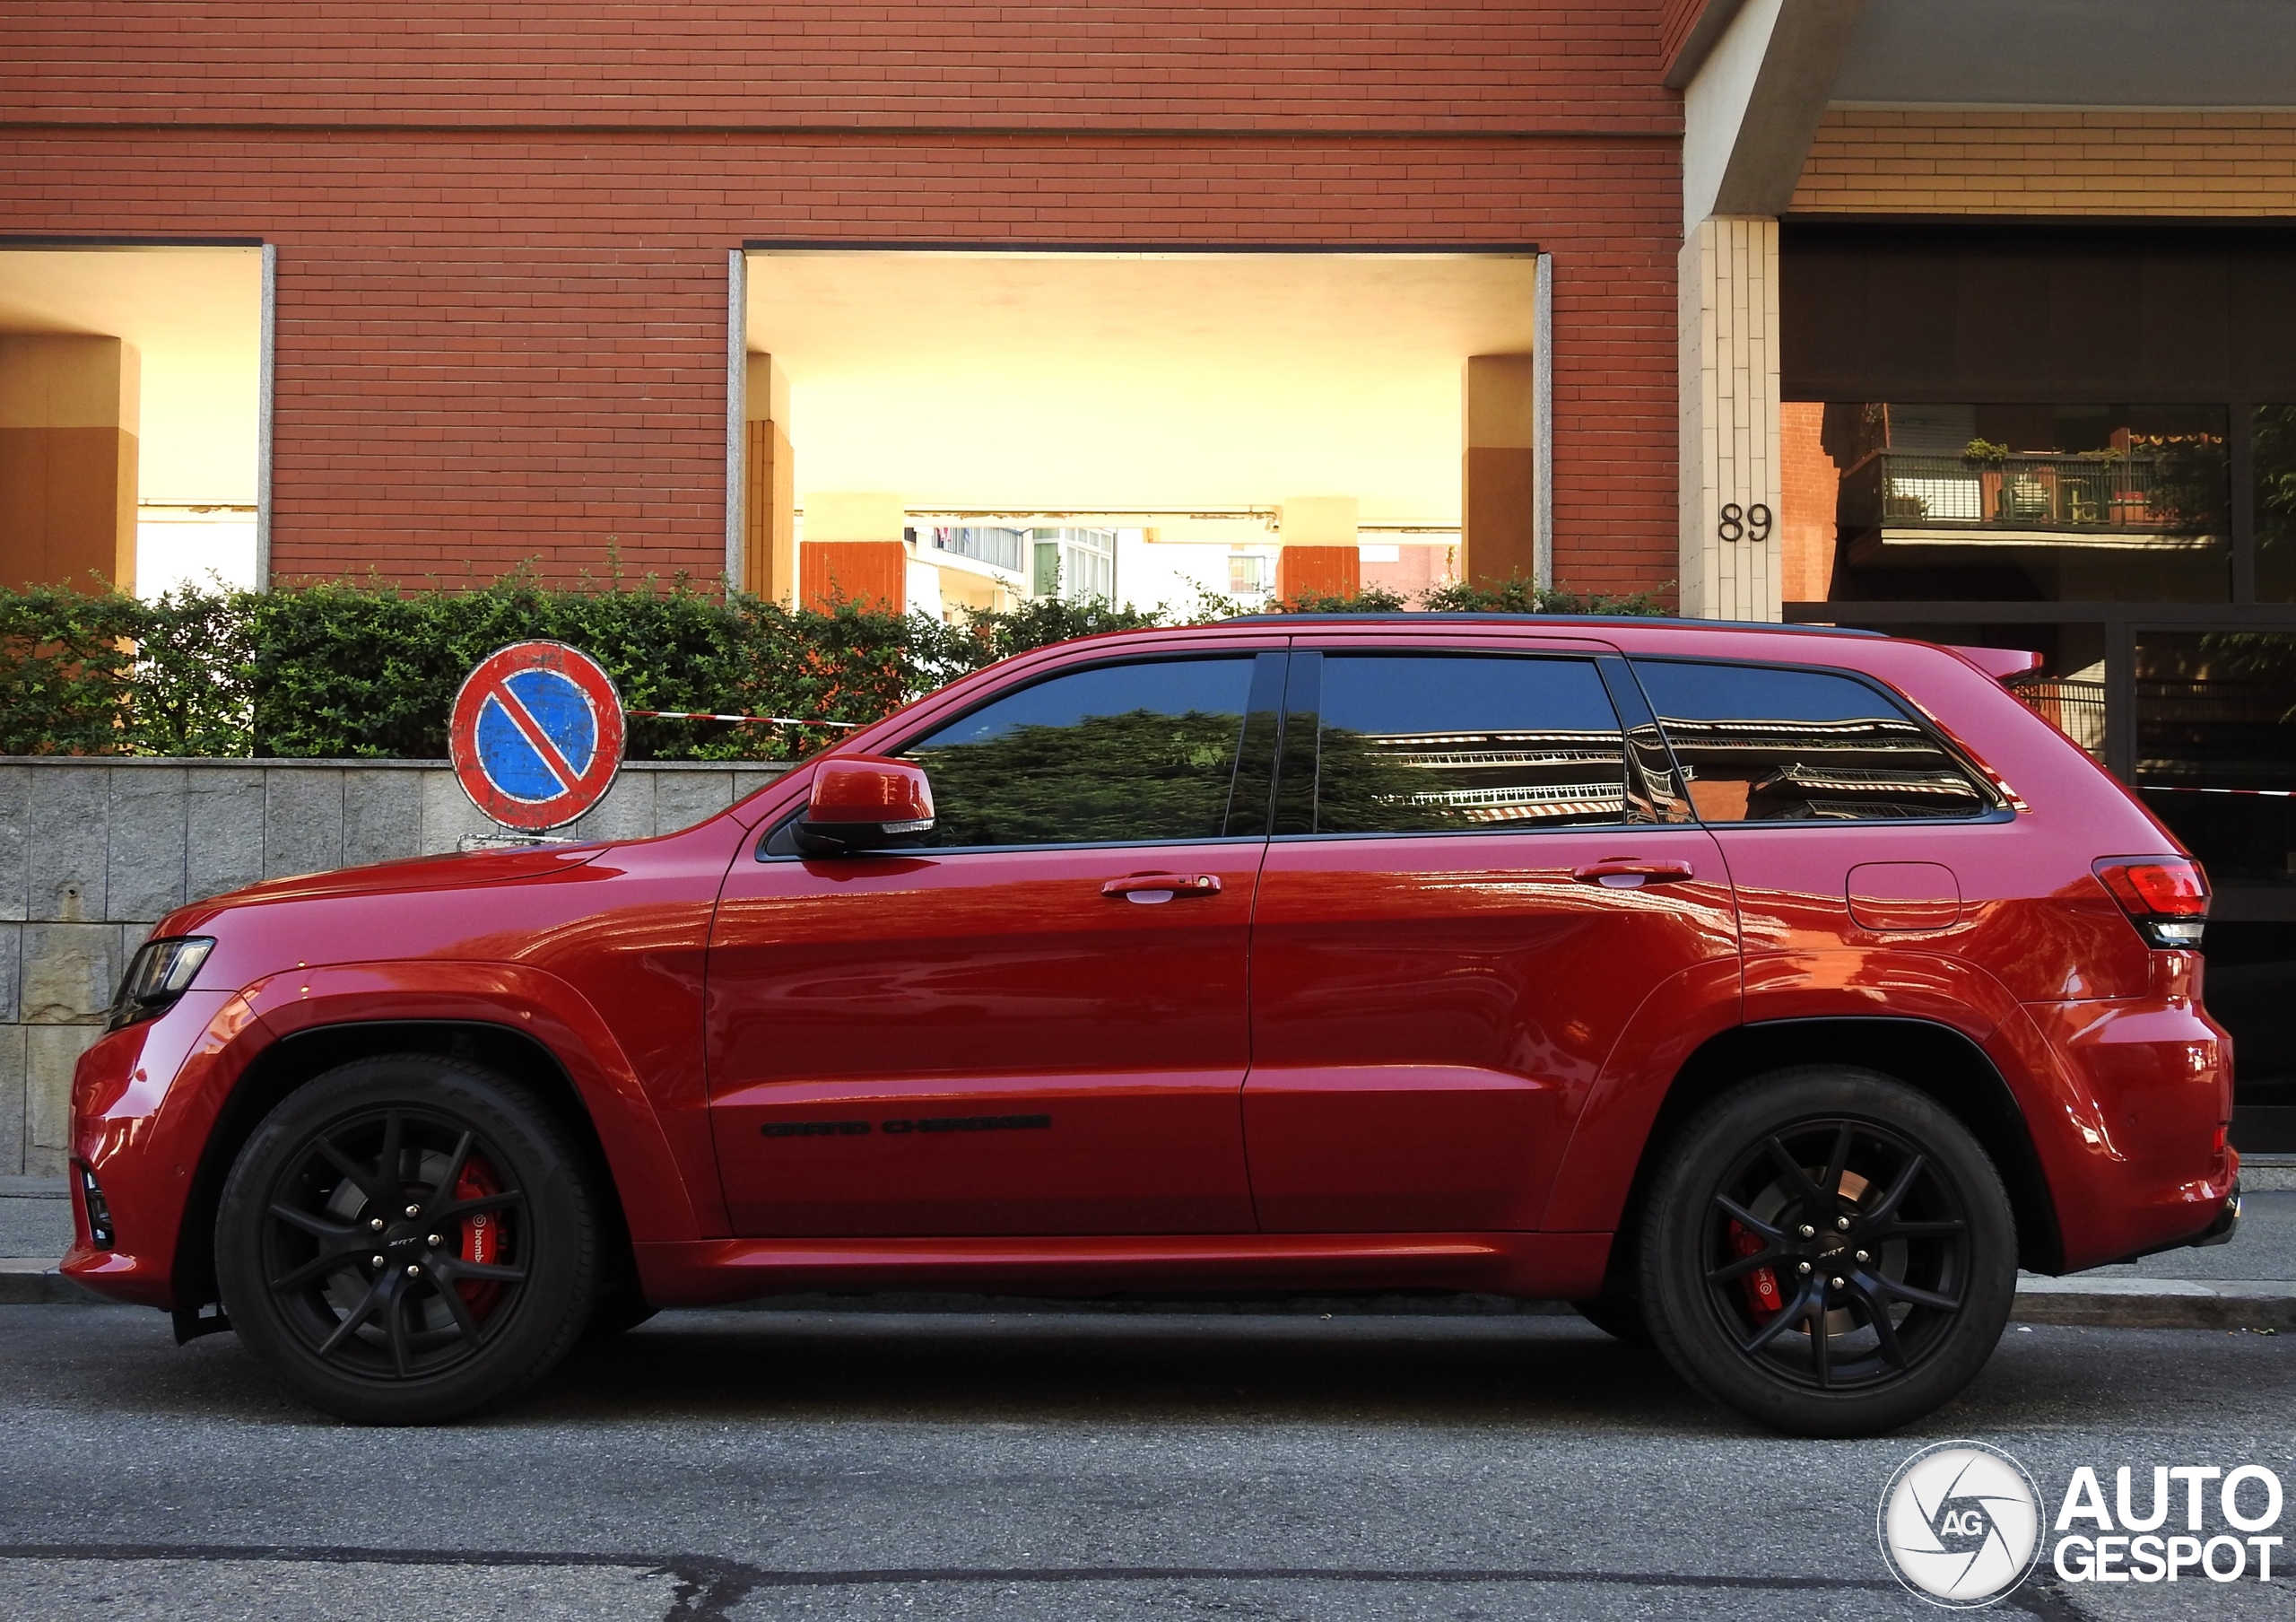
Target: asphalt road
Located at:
point(1157, 1468)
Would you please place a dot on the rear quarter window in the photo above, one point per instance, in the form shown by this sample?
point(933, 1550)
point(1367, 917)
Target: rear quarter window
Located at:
point(1763, 743)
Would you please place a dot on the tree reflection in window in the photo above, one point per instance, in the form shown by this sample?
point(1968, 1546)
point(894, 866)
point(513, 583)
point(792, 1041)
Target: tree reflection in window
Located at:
point(1435, 744)
point(1120, 754)
point(1760, 745)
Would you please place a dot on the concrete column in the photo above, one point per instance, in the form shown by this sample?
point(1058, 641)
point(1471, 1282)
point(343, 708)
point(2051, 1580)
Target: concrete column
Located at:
point(68, 420)
point(853, 551)
point(769, 471)
point(1321, 556)
point(1499, 478)
point(1730, 535)
point(1756, 76)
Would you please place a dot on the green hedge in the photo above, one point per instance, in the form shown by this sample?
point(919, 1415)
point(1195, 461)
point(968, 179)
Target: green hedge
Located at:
point(349, 670)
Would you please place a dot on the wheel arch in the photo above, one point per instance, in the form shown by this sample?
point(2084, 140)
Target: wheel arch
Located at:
point(1932, 1058)
point(295, 1061)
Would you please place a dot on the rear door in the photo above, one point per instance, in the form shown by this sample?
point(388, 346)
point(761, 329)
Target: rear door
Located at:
point(1482, 869)
point(1035, 1024)
point(1847, 823)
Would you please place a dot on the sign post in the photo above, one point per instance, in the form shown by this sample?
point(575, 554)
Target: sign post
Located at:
point(536, 735)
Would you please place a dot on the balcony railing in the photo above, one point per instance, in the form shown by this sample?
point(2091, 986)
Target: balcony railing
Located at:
point(1004, 548)
point(2120, 497)
point(2076, 708)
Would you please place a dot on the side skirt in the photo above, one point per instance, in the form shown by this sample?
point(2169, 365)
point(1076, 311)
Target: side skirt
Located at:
point(1531, 1266)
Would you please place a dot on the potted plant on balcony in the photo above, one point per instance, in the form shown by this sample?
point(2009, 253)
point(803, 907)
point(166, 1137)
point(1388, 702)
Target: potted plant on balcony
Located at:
point(1988, 458)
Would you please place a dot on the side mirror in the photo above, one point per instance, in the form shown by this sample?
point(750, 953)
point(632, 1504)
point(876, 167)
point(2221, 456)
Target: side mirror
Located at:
point(863, 803)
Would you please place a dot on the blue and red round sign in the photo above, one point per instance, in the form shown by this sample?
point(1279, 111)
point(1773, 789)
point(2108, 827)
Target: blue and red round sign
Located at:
point(536, 735)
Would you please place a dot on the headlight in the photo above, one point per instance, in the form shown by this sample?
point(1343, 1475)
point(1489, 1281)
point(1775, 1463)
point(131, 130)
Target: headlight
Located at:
point(161, 972)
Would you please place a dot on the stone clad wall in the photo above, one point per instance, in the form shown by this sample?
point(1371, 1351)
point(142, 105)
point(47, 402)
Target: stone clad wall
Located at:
point(94, 851)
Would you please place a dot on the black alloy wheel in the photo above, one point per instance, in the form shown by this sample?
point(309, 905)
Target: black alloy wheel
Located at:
point(1829, 1251)
point(406, 1239)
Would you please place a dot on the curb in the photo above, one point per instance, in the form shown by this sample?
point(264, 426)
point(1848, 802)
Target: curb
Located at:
point(26, 1281)
point(2159, 1304)
point(2116, 1303)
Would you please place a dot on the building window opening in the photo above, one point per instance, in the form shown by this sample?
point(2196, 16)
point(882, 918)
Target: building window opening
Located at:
point(2273, 430)
point(130, 408)
point(952, 430)
point(1073, 565)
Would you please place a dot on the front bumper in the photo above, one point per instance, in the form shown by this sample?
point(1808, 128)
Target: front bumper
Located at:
point(144, 1102)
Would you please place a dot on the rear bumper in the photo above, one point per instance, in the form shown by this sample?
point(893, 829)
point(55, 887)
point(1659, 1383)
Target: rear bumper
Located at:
point(2227, 1224)
point(2133, 1140)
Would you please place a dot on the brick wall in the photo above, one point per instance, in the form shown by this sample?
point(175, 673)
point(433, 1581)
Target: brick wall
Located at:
point(93, 853)
point(1809, 488)
point(2188, 164)
point(832, 65)
point(502, 234)
point(1678, 17)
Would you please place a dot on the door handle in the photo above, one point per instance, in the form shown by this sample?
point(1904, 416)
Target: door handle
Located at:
point(1149, 889)
point(1625, 873)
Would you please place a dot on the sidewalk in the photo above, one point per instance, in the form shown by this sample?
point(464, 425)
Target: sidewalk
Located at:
point(2248, 1283)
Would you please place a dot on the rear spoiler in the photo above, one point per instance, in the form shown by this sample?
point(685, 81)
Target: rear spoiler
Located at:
point(2000, 663)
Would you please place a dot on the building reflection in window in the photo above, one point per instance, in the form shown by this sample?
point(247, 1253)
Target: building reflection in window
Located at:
point(1891, 501)
point(1120, 754)
point(2217, 746)
point(2274, 431)
point(1763, 745)
point(2216, 761)
point(1427, 745)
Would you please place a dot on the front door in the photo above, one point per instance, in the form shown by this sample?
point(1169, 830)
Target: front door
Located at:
point(1035, 1024)
point(1478, 877)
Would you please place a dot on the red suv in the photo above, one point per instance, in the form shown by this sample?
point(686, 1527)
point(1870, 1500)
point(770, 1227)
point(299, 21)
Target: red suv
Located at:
point(1771, 994)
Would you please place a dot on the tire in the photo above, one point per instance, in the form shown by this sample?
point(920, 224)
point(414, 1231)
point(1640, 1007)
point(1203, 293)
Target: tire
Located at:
point(1618, 1316)
point(1828, 1251)
point(415, 1292)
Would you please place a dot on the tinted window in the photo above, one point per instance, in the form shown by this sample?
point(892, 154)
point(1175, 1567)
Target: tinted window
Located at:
point(1413, 743)
point(1798, 746)
point(1122, 753)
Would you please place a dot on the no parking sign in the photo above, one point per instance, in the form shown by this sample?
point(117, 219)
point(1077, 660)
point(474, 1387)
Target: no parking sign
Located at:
point(536, 735)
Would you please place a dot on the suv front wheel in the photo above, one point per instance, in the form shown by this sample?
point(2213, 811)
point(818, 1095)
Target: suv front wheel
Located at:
point(1829, 1251)
point(406, 1239)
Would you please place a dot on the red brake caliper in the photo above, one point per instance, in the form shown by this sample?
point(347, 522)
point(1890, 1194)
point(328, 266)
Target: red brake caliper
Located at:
point(481, 1239)
point(1760, 1285)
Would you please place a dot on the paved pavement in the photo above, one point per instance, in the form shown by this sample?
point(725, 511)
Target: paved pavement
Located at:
point(1145, 1467)
point(35, 1217)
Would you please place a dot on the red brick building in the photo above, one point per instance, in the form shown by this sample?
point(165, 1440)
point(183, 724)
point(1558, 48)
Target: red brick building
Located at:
point(501, 235)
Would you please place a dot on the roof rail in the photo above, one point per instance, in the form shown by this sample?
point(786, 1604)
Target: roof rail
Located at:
point(1420, 617)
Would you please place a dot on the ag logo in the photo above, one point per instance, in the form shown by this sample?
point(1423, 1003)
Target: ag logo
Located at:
point(1961, 1524)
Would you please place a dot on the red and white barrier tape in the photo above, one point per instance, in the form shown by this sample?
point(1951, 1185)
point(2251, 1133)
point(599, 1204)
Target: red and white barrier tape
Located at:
point(2182, 788)
point(696, 715)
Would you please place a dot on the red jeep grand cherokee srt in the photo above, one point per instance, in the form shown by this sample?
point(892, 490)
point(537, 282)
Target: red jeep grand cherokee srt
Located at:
point(1772, 994)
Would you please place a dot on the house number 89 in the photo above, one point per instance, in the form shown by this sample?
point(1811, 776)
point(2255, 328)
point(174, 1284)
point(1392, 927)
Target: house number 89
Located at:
point(1744, 523)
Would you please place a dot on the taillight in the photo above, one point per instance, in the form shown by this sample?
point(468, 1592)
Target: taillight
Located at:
point(2166, 897)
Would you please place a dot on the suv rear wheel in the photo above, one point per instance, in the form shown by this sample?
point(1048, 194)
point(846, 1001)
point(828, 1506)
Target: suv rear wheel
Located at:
point(1828, 1251)
point(406, 1239)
